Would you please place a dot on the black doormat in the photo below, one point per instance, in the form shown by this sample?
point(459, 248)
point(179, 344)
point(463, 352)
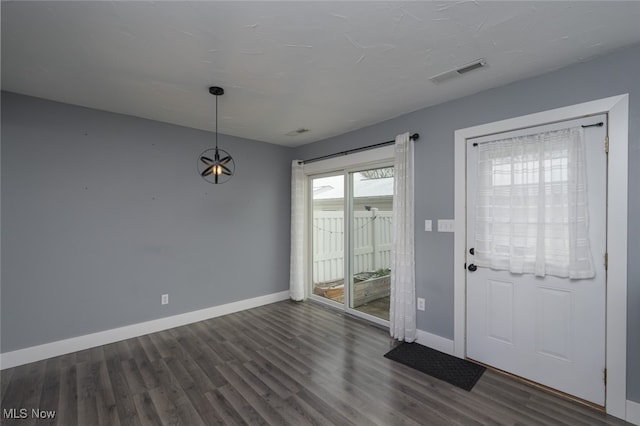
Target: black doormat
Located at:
point(458, 372)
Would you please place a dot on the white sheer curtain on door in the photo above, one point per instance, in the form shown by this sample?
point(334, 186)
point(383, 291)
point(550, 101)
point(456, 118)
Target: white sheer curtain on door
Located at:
point(531, 205)
point(402, 315)
point(296, 272)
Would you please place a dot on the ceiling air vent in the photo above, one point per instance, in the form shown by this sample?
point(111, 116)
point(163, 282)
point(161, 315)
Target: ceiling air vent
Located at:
point(448, 75)
point(297, 132)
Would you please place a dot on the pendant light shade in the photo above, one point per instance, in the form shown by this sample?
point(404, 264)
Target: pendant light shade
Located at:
point(215, 165)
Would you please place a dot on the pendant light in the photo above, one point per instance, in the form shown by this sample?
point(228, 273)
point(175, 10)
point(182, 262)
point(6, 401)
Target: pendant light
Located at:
point(216, 165)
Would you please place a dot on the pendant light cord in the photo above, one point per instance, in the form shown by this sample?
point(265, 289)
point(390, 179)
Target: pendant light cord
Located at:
point(216, 122)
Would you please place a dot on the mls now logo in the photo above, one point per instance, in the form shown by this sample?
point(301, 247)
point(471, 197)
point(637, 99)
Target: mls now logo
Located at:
point(23, 413)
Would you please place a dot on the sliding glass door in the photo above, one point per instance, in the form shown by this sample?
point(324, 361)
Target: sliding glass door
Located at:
point(352, 209)
point(327, 236)
point(371, 212)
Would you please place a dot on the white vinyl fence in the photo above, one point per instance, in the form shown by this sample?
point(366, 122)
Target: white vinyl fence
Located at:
point(371, 240)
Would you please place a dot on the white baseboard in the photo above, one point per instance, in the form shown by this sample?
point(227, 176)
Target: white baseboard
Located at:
point(633, 412)
point(435, 342)
point(74, 344)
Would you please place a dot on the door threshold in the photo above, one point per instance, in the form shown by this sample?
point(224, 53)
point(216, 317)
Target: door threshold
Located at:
point(339, 309)
point(556, 392)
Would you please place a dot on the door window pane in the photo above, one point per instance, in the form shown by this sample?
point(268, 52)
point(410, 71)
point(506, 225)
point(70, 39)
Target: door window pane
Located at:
point(327, 236)
point(371, 241)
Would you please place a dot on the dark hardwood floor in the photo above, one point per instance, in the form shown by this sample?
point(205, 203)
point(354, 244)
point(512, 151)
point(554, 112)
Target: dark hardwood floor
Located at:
point(285, 363)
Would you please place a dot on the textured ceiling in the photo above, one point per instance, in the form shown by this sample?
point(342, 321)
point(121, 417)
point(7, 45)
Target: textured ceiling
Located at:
point(330, 67)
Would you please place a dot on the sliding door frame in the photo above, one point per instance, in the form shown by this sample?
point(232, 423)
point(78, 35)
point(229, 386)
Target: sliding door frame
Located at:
point(346, 165)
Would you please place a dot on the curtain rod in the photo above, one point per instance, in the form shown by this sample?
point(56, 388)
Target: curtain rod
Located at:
point(413, 137)
point(584, 126)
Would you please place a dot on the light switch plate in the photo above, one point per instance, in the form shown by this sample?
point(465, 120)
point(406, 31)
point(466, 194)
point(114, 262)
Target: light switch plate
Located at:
point(427, 225)
point(445, 225)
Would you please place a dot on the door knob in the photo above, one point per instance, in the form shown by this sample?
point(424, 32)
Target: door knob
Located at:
point(471, 251)
point(472, 267)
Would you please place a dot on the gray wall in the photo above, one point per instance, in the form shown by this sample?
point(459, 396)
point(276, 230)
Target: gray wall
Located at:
point(611, 75)
point(102, 213)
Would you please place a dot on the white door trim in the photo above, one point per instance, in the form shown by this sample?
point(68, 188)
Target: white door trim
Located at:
point(616, 316)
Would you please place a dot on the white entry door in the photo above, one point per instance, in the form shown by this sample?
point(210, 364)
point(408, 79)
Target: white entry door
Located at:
point(547, 329)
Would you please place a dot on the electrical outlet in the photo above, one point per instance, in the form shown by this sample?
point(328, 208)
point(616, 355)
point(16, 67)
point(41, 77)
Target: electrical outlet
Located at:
point(427, 225)
point(421, 303)
point(165, 299)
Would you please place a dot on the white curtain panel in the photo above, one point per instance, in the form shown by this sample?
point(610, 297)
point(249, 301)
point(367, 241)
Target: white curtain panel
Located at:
point(296, 273)
point(531, 205)
point(402, 318)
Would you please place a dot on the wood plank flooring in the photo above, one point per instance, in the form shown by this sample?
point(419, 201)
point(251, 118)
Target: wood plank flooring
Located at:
point(286, 363)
